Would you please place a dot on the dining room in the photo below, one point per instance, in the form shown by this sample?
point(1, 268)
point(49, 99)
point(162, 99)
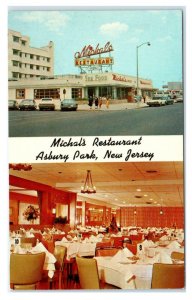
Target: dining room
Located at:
point(100, 226)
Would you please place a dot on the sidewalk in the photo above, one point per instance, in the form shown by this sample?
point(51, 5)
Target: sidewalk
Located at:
point(113, 106)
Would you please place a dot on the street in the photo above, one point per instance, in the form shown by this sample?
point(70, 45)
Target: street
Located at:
point(165, 120)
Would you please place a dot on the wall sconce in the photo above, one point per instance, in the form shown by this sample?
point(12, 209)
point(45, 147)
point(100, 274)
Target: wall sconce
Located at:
point(53, 211)
point(161, 211)
point(135, 211)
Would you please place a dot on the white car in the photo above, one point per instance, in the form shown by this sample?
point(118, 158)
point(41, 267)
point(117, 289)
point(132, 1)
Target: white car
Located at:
point(157, 100)
point(46, 104)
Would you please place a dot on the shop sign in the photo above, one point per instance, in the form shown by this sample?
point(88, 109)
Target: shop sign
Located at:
point(95, 77)
point(121, 78)
point(146, 82)
point(89, 50)
point(94, 61)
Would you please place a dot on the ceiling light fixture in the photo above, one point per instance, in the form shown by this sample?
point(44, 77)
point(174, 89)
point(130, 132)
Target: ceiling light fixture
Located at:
point(19, 167)
point(88, 187)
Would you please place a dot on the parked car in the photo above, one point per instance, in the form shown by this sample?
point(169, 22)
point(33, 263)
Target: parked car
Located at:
point(159, 100)
point(28, 104)
point(179, 99)
point(69, 104)
point(13, 105)
point(46, 104)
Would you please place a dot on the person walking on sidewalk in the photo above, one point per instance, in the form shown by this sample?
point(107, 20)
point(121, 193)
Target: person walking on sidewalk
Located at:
point(107, 102)
point(90, 102)
point(96, 102)
point(100, 102)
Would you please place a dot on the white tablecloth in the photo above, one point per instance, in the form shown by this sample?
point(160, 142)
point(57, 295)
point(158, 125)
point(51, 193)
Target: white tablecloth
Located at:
point(74, 248)
point(121, 275)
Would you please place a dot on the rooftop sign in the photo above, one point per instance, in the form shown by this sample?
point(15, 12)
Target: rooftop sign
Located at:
point(89, 50)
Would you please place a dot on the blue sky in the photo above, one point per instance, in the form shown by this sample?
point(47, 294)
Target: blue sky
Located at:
point(125, 29)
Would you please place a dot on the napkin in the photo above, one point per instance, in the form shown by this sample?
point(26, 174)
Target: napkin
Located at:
point(174, 245)
point(29, 234)
point(127, 252)
point(64, 240)
point(75, 238)
point(165, 258)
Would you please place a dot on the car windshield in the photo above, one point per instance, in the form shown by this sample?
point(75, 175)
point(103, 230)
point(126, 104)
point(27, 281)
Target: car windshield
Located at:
point(157, 98)
point(68, 101)
point(27, 101)
point(46, 99)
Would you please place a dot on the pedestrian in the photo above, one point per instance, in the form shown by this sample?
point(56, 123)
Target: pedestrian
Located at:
point(90, 102)
point(96, 102)
point(107, 102)
point(100, 102)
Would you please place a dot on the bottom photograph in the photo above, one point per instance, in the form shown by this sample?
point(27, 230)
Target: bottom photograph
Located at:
point(90, 226)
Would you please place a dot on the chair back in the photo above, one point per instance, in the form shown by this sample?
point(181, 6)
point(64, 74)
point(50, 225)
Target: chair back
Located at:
point(106, 251)
point(168, 276)
point(26, 269)
point(132, 248)
point(60, 255)
point(177, 256)
point(31, 240)
point(88, 273)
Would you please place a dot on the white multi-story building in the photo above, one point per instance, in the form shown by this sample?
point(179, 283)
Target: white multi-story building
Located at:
point(25, 61)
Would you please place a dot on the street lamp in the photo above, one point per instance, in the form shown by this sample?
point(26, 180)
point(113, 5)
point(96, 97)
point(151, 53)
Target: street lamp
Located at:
point(148, 44)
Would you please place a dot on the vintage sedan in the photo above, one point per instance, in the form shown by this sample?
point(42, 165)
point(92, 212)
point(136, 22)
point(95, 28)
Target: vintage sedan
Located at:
point(69, 104)
point(13, 105)
point(46, 104)
point(159, 100)
point(28, 104)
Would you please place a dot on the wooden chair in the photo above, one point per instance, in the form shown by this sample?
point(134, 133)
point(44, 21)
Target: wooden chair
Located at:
point(60, 255)
point(168, 276)
point(106, 251)
point(26, 270)
point(27, 240)
point(89, 276)
point(177, 255)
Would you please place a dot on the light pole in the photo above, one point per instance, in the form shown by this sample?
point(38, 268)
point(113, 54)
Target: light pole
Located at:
point(137, 52)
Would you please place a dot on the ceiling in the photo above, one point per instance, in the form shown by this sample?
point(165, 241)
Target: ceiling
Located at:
point(117, 184)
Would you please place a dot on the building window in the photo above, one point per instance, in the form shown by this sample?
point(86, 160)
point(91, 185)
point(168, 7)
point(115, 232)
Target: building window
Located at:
point(20, 94)
point(15, 63)
point(31, 75)
point(20, 54)
point(48, 59)
point(76, 93)
point(48, 69)
point(16, 39)
point(31, 66)
point(31, 56)
point(15, 74)
point(47, 93)
point(16, 52)
point(38, 57)
point(23, 43)
point(37, 67)
point(25, 54)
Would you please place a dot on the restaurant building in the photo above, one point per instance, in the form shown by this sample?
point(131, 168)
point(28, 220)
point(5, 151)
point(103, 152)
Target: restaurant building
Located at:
point(81, 86)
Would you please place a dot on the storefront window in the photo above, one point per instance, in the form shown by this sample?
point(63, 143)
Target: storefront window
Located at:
point(20, 94)
point(76, 93)
point(47, 93)
point(105, 91)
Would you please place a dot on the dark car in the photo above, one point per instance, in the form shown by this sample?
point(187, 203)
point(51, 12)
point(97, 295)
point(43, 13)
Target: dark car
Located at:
point(13, 105)
point(27, 105)
point(69, 104)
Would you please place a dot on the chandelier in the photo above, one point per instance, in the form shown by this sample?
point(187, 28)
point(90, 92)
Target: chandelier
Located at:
point(88, 187)
point(19, 167)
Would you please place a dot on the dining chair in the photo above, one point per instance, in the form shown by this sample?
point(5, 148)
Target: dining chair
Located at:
point(132, 248)
point(57, 281)
point(26, 270)
point(106, 251)
point(177, 255)
point(89, 276)
point(168, 276)
point(27, 240)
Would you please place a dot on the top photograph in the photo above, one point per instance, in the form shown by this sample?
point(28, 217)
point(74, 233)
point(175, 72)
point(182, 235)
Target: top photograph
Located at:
point(95, 72)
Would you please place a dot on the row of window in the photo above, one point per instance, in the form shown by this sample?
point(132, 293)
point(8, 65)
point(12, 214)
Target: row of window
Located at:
point(21, 75)
point(19, 64)
point(18, 39)
point(48, 93)
point(31, 56)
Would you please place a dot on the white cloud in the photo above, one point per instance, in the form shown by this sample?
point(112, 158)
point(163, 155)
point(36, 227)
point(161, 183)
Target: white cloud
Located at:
point(164, 39)
point(53, 20)
point(114, 28)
